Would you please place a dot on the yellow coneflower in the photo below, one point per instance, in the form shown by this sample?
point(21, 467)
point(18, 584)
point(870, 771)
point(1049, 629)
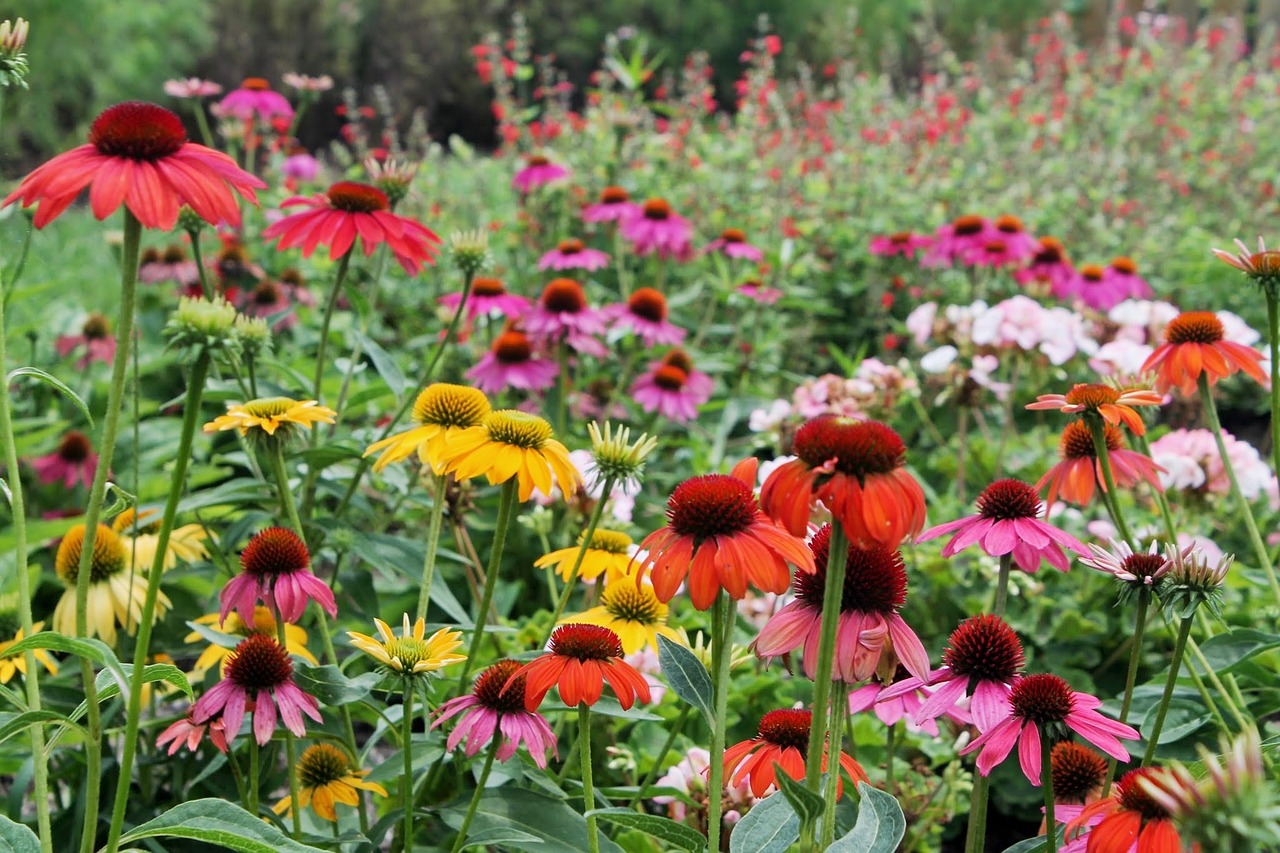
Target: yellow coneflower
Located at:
point(139, 532)
point(442, 412)
point(510, 443)
point(327, 778)
point(13, 662)
point(410, 654)
point(267, 415)
point(116, 593)
point(263, 623)
point(632, 612)
point(609, 552)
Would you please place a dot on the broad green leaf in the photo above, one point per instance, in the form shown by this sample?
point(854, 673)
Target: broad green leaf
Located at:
point(805, 803)
point(383, 363)
point(95, 650)
point(1028, 845)
point(17, 838)
point(686, 675)
point(560, 828)
point(50, 379)
point(1227, 651)
point(675, 836)
point(221, 823)
point(770, 827)
point(13, 724)
point(331, 686)
point(880, 825)
point(1183, 717)
point(504, 835)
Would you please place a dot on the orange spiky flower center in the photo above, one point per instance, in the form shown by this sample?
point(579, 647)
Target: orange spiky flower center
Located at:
point(788, 727)
point(1042, 698)
point(1091, 273)
point(273, 552)
point(1092, 395)
point(657, 208)
point(1008, 499)
point(1126, 266)
point(585, 642)
point(259, 663)
point(733, 235)
point(137, 130)
point(875, 579)
point(355, 197)
point(1008, 224)
point(75, 447)
point(564, 296)
point(571, 246)
point(967, 226)
point(512, 347)
point(668, 377)
point(1133, 797)
point(614, 195)
point(256, 84)
point(1077, 441)
point(984, 648)
point(711, 505)
point(648, 303)
point(492, 691)
point(1077, 771)
point(1195, 327)
point(488, 287)
point(859, 448)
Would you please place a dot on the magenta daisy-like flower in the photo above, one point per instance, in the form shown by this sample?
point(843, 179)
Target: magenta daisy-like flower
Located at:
point(1016, 245)
point(1049, 264)
point(870, 634)
point(659, 230)
point(538, 171)
point(1047, 702)
point(900, 243)
point(758, 291)
point(958, 240)
point(573, 255)
point(901, 706)
point(260, 672)
point(255, 99)
point(96, 338)
point(275, 568)
point(1122, 275)
point(645, 314)
point(73, 462)
point(488, 296)
point(1009, 522)
point(185, 732)
point(672, 388)
point(512, 363)
point(191, 87)
point(1091, 286)
point(615, 205)
point(562, 315)
point(496, 708)
point(732, 243)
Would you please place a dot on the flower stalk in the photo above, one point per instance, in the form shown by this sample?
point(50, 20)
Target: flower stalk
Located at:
point(1046, 782)
point(1175, 665)
point(1110, 497)
point(506, 505)
point(1131, 677)
point(592, 523)
point(831, 595)
point(461, 840)
point(839, 702)
point(721, 654)
point(588, 791)
point(433, 542)
point(406, 750)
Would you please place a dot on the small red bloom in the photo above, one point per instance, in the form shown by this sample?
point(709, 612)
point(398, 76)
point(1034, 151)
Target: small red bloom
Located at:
point(579, 660)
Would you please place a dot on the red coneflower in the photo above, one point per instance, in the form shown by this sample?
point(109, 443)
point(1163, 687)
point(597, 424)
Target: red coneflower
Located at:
point(276, 569)
point(258, 675)
point(854, 468)
point(1194, 343)
point(579, 660)
point(138, 155)
point(1079, 470)
point(782, 739)
point(718, 537)
point(1128, 821)
point(348, 210)
point(1113, 405)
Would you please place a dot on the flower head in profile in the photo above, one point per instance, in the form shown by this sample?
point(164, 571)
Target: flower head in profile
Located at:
point(185, 732)
point(140, 533)
point(538, 171)
point(138, 155)
point(632, 611)
point(1111, 404)
point(96, 338)
point(512, 362)
point(571, 254)
point(326, 777)
point(12, 663)
point(495, 707)
point(236, 629)
point(258, 676)
point(579, 660)
point(1195, 344)
point(512, 444)
point(1078, 470)
point(1049, 264)
point(276, 418)
point(469, 251)
point(1262, 266)
point(412, 653)
point(1137, 571)
point(615, 205)
point(645, 314)
point(191, 87)
point(488, 296)
point(116, 592)
point(717, 537)
point(441, 411)
point(732, 243)
point(13, 59)
point(1009, 522)
point(1128, 820)
point(608, 553)
point(275, 568)
point(899, 244)
point(395, 178)
point(782, 740)
point(614, 456)
point(1194, 579)
point(657, 229)
point(73, 461)
point(305, 83)
point(255, 99)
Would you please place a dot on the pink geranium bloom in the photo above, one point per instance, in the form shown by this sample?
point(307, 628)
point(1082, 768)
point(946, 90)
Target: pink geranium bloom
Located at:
point(673, 388)
point(1009, 522)
point(186, 732)
point(572, 255)
point(645, 314)
point(255, 99)
point(562, 315)
point(1049, 264)
point(1046, 700)
point(73, 461)
point(958, 240)
point(757, 291)
point(537, 172)
point(96, 338)
point(489, 710)
point(615, 205)
point(275, 569)
point(511, 363)
point(191, 87)
point(488, 296)
point(732, 243)
point(871, 633)
point(903, 706)
point(259, 673)
point(659, 230)
point(901, 243)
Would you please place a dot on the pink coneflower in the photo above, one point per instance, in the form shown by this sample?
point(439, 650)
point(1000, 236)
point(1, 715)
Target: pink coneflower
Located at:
point(511, 363)
point(276, 569)
point(303, 83)
point(258, 674)
point(488, 296)
point(562, 315)
point(958, 240)
point(1078, 471)
point(658, 229)
point(1091, 286)
point(271, 299)
point(757, 291)
point(903, 706)
point(138, 155)
point(1122, 275)
point(186, 732)
point(673, 388)
point(901, 243)
point(255, 99)
point(96, 338)
point(871, 633)
point(732, 243)
point(572, 255)
point(1049, 264)
point(1018, 245)
point(1009, 522)
point(335, 218)
point(1046, 701)
point(73, 461)
point(982, 661)
point(170, 265)
point(645, 314)
point(299, 165)
point(537, 172)
point(489, 710)
point(615, 205)
point(191, 87)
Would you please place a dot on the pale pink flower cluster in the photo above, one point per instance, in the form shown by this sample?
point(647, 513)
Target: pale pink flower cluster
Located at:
point(872, 392)
point(1192, 463)
point(1019, 323)
point(689, 776)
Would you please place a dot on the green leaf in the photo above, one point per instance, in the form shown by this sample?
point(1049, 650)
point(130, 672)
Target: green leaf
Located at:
point(218, 822)
point(1183, 717)
point(686, 675)
point(17, 838)
point(805, 803)
point(880, 825)
point(13, 724)
point(95, 650)
point(1227, 651)
point(770, 827)
point(331, 686)
point(675, 836)
point(500, 835)
point(1028, 845)
point(383, 363)
point(560, 828)
point(57, 383)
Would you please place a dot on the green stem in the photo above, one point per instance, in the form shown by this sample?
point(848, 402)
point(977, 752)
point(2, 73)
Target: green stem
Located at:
point(976, 839)
point(205, 286)
point(1205, 696)
point(1046, 782)
point(562, 386)
point(322, 347)
point(505, 506)
point(1255, 538)
point(1175, 664)
point(592, 523)
point(588, 792)
point(831, 595)
point(661, 758)
point(722, 652)
point(287, 507)
point(461, 840)
point(433, 544)
point(1002, 585)
point(202, 122)
point(1098, 430)
point(93, 515)
point(619, 264)
point(177, 482)
point(890, 747)
point(291, 750)
point(375, 289)
point(1230, 697)
point(406, 749)
point(1131, 678)
point(253, 775)
point(839, 702)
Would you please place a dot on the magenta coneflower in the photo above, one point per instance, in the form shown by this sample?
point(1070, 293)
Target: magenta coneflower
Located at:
point(1122, 275)
point(1009, 522)
point(957, 240)
point(74, 461)
point(562, 315)
point(185, 732)
point(982, 661)
point(511, 363)
point(658, 229)
point(488, 296)
point(1017, 244)
point(1049, 264)
point(258, 674)
point(170, 265)
point(538, 171)
point(270, 299)
point(96, 338)
point(138, 155)
point(1091, 286)
point(902, 706)
point(672, 387)
point(732, 243)
point(573, 255)
point(645, 314)
point(871, 632)
point(255, 99)
point(490, 711)
point(615, 205)
point(1046, 701)
point(348, 210)
point(758, 291)
point(191, 87)
point(276, 569)
point(300, 165)
point(902, 243)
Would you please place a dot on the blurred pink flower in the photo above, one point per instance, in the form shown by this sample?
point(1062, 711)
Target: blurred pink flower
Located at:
point(255, 99)
point(192, 87)
point(901, 243)
point(732, 243)
point(615, 205)
point(658, 229)
point(73, 461)
point(571, 255)
point(538, 171)
point(96, 338)
point(511, 363)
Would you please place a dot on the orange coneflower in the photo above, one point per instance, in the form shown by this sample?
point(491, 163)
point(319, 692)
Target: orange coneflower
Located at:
point(783, 740)
point(1079, 470)
point(1115, 406)
point(1128, 820)
point(1195, 343)
point(579, 660)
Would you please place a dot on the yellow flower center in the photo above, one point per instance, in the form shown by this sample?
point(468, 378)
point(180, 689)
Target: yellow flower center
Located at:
point(448, 405)
point(608, 540)
point(631, 603)
point(108, 555)
point(408, 650)
point(269, 407)
point(321, 764)
point(517, 428)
